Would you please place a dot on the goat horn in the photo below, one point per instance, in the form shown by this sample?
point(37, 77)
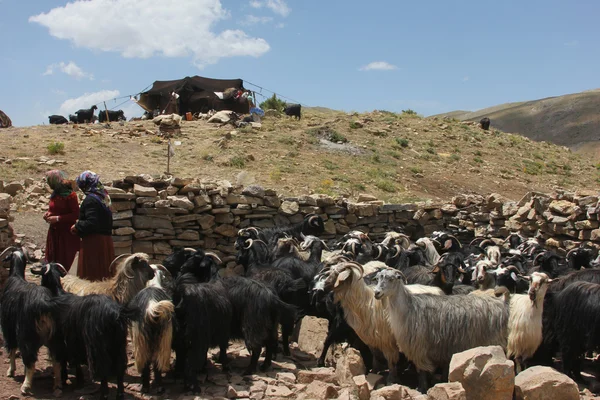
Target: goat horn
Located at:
point(461, 270)
point(162, 268)
point(536, 258)
point(9, 249)
point(325, 244)
point(354, 264)
point(190, 249)
point(569, 252)
point(474, 240)
point(248, 243)
point(313, 218)
point(214, 256)
point(62, 269)
point(484, 242)
point(513, 268)
point(378, 251)
point(116, 259)
point(398, 250)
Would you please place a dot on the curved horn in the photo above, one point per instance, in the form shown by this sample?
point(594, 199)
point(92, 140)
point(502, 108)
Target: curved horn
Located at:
point(536, 258)
point(379, 250)
point(567, 256)
point(116, 259)
point(514, 269)
point(248, 243)
point(353, 264)
point(484, 243)
point(214, 256)
point(189, 249)
point(9, 249)
point(353, 245)
point(61, 268)
point(474, 240)
point(312, 219)
point(398, 250)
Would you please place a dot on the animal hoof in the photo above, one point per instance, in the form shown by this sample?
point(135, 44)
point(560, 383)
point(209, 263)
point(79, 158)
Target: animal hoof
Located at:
point(321, 363)
point(249, 371)
point(265, 367)
point(10, 373)
point(26, 391)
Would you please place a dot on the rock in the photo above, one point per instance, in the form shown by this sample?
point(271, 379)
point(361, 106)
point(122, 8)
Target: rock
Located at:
point(5, 201)
point(162, 248)
point(278, 391)
point(321, 390)
point(237, 391)
point(313, 332)
point(364, 197)
point(329, 227)
point(563, 207)
point(540, 383)
point(254, 191)
point(189, 235)
point(144, 191)
point(349, 365)
point(317, 374)
point(289, 207)
point(484, 373)
point(181, 202)
point(180, 182)
point(286, 377)
point(392, 392)
point(162, 204)
point(13, 188)
point(447, 391)
point(144, 222)
point(226, 230)
point(363, 387)
point(124, 231)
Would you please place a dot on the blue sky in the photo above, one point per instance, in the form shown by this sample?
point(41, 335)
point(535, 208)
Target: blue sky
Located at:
point(431, 56)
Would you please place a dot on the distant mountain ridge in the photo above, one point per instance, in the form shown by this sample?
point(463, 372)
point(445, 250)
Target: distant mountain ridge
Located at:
point(571, 120)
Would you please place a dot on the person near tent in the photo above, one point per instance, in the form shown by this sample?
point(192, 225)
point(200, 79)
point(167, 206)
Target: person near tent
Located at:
point(63, 210)
point(95, 229)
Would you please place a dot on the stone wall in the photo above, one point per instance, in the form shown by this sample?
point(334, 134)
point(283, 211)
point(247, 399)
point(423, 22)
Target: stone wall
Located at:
point(6, 232)
point(153, 217)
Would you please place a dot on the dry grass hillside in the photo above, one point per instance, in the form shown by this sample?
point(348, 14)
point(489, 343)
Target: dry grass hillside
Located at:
point(572, 120)
point(397, 157)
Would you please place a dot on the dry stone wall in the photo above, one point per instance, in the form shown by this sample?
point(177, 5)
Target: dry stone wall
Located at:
point(6, 232)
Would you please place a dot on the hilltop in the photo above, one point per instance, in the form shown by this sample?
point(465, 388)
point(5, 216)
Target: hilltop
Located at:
point(396, 157)
point(571, 120)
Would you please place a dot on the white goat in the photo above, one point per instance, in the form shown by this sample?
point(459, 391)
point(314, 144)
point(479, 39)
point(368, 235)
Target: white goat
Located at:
point(431, 253)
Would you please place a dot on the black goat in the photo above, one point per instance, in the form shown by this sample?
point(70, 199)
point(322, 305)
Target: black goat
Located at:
point(449, 243)
point(94, 329)
point(485, 123)
point(175, 260)
point(73, 118)
point(28, 321)
point(293, 110)
point(57, 120)
point(204, 318)
point(86, 115)
point(112, 116)
point(577, 324)
point(549, 262)
point(580, 257)
point(514, 240)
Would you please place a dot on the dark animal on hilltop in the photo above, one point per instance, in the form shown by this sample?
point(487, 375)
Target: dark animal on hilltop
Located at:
point(57, 120)
point(112, 116)
point(293, 110)
point(86, 115)
point(485, 123)
point(73, 118)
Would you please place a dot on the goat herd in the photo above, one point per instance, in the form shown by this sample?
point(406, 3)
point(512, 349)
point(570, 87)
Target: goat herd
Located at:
point(86, 115)
point(397, 301)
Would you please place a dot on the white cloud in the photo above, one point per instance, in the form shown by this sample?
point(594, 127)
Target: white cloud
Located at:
point(156, 27)
point(87, 100)
point(70, 69)
point(378, 66)
point(466, 78)
point(277, 6)
point(253, 20)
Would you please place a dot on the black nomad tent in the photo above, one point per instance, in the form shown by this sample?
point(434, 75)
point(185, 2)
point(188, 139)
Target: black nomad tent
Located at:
point(196, 94)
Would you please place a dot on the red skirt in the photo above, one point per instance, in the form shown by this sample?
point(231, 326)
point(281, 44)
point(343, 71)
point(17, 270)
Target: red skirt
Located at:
point(61, 245)
point(96, 254)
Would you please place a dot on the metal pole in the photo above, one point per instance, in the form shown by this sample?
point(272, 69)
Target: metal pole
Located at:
point(169, 157)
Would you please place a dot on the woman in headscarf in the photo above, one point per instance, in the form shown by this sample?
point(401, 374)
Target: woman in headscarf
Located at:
point(63, 211)
point(95, 229)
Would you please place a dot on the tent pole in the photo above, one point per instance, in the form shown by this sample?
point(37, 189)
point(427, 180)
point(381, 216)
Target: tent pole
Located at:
point(106, 111)
point(169, 156)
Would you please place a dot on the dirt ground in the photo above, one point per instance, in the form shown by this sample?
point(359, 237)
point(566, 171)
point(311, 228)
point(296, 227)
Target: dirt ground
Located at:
point(397, 157)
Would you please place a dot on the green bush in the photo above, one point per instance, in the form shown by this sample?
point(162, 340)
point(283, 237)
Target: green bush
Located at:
point(56, 148)
point(273, 103)
point(409, 112)
point(237, 161)
point(402, 142)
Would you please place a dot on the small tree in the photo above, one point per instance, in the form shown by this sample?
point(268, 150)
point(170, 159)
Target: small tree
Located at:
point(272, 103)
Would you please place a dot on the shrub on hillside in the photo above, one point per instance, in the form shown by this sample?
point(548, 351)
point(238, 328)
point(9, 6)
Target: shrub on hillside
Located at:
point(273, 103)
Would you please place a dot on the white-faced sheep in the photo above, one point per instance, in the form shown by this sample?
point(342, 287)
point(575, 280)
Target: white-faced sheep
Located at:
point(429, 330)
point(133, 273)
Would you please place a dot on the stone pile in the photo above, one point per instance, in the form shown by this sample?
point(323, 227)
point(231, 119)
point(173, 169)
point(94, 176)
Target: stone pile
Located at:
point(6, 232)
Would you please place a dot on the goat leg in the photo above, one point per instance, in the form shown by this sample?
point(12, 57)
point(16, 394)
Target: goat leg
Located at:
point(286, 332)
point(423, 381)
point(104, 389)
point(11, 368)
point(393, 374)
point(255, 351)
point(158, 380)
point(146, 378)
point(120, 387)
point(223, 356)
point(58, 381)
point(26, 387)
point(79, 376)
point(328, 342)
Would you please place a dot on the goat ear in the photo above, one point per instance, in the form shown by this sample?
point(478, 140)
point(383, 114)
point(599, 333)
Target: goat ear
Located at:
point(513, 276)
point(447, 244)
point(342, 277)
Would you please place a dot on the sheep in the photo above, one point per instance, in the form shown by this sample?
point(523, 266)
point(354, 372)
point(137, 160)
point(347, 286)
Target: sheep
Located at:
point(86, 115)
point(430, 329)
point(152, 329)
point(94, 328)
point(133, 272)
point(366, 316)
point(525, 320)
point(577, 324)
point(28, 322)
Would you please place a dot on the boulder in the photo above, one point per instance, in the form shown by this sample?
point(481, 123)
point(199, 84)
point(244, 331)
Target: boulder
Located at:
point(181, 202)
point(313, 332)
point(349, 365)
point(321, 390)
point(564, 207)
point(484, 373)
point(289, 207)
point(447, 391)
point(540, 383)
point(226, 230)
point(144, 191)
point(13, 188)
point(5, 200)
point(395, 392)
point(317, 374)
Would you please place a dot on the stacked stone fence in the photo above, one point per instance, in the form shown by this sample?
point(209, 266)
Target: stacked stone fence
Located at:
point(155, 216)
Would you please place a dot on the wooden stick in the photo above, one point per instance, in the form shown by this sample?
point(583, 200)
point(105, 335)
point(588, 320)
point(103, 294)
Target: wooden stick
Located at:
point(106, 111)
